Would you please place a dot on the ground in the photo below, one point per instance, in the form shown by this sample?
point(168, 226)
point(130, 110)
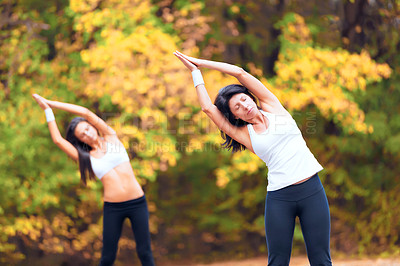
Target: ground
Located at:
point(302, 261)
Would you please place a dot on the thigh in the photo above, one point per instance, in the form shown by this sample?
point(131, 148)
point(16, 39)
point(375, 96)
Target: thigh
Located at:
point(279, 227)
point(139, 218)
point(112, 227)
point(315, 223)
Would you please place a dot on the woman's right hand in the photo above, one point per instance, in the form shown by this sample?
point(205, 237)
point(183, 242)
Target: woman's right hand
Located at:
point(41, 101)
point(190, 65)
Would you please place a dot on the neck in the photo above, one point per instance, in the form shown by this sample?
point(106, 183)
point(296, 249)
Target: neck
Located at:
point(96, 144)
point(258, 119)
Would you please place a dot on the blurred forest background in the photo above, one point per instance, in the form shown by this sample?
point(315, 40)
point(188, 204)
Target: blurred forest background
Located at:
point(333, 64)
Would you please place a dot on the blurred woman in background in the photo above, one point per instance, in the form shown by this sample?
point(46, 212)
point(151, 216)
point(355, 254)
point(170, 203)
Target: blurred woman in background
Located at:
point(95, 145)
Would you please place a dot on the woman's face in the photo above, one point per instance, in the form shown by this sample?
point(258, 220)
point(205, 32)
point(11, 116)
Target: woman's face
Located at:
point(242, 106)
point(86, 133)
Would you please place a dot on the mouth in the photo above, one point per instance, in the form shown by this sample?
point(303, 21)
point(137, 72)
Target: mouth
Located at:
point(251, 109)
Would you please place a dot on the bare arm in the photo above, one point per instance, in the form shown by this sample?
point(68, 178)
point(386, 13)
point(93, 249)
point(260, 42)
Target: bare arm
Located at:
point(239, 134)
point(91, 117)
point(62, 143)
point(267, 99)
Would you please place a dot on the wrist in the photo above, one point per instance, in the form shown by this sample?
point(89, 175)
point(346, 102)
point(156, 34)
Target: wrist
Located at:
point(49, 115)
point(50, 103)
point(197, 77)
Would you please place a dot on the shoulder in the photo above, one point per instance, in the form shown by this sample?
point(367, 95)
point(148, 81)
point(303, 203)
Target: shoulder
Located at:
point(111, 138)
point(276, 109)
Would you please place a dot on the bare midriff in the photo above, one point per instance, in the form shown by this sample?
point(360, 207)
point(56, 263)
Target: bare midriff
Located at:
point(304, 180)
point(120, 184)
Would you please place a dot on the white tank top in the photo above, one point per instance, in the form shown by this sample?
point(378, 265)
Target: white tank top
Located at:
point(284, 151)
point(115, 155)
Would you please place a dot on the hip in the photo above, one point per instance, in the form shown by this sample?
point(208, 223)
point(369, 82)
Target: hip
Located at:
point(122, 204)
point(298, 191)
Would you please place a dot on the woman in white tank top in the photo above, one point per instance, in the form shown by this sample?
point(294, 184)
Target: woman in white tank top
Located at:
point(95, 145)
point(269, 131)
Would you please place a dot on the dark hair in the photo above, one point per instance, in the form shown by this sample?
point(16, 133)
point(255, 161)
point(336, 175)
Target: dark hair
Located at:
point(222, 103)
point(85, 166)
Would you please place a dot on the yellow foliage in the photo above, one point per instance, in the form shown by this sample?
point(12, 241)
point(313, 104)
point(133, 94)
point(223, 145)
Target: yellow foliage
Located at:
point(83, 6)
point(242, 164)
point(222, 178)
point(308, 75)
point(134, 64)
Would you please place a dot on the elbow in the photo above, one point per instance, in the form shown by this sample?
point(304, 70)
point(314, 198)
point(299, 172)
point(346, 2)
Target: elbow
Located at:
point(206, 109)
point(57, 141)
point(85, 113)
point(240, 72)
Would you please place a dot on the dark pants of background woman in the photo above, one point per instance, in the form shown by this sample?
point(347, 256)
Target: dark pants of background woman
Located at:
point(308, 201)
point(114, 216)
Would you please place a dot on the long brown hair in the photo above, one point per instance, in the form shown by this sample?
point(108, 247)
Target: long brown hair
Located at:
point(222, 103)
point(85, 167)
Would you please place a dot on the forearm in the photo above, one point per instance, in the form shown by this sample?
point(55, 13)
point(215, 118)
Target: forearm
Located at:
point(223, 67)
point(62, 143)
point(71, 108)
point(204, 98)
point(54, 132)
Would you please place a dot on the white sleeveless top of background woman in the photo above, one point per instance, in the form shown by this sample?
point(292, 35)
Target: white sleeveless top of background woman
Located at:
point(115, 155)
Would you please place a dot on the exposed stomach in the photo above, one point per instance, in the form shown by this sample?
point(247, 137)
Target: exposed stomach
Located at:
point(120, 184)
point(301, 181)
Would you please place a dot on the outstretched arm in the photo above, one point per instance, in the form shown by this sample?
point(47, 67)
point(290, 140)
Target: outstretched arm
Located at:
point(91, 117)
point(268, 100)
point(212, 111)
point(62, 143)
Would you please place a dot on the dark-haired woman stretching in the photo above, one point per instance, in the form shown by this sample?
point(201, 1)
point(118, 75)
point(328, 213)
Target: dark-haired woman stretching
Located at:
point(269, 131)
point(96, 146)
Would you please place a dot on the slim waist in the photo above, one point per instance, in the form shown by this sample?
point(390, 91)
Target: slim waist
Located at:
point(127, 203)
point(298, 191)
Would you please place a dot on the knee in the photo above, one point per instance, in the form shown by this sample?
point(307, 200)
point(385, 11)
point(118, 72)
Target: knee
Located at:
point(275, 259)
point(107, 259)
point(321, 259)
point(145, 255)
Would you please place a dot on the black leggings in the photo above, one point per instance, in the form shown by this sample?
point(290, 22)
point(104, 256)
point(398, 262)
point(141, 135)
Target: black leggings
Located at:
point(308, 201)
point(114, 216)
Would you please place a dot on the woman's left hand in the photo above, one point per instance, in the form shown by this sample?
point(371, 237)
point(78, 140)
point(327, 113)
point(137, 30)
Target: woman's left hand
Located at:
point(43, 103)
point(190, 65)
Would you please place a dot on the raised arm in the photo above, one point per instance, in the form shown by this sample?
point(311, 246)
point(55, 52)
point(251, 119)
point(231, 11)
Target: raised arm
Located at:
point(62, 143)
point(91, 117)
point(212, 111)
point(268, 100)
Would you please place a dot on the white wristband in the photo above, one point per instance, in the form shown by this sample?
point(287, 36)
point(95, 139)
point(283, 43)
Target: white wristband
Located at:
point(197, 77)
point(49, 115)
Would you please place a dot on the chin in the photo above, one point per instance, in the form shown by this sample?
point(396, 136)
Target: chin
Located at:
point(250, 116)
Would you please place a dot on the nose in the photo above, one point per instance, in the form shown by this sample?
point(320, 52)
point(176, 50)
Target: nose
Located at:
point(245, 106)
